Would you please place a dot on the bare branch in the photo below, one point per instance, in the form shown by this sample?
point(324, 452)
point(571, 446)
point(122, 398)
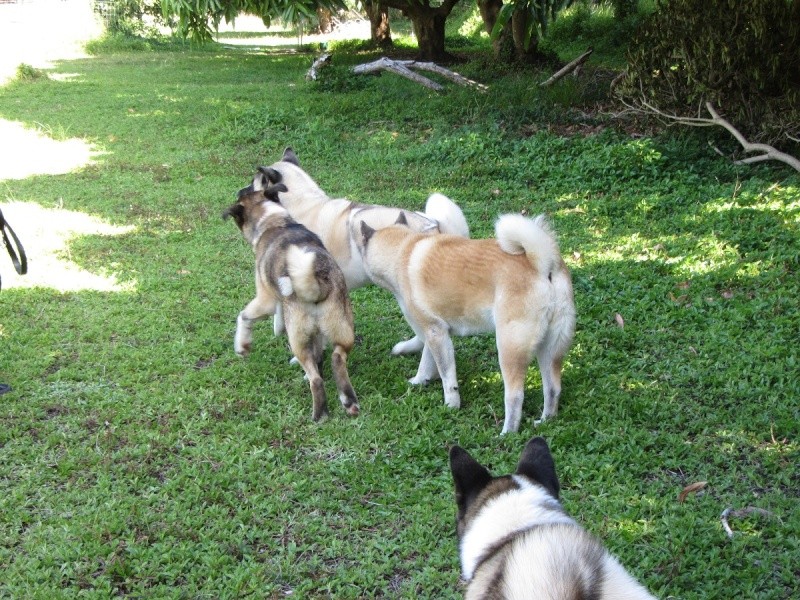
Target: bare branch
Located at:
point(321, 60)
point(742, 512)
point(568, 68)
point(769, 152)
point(403, 68)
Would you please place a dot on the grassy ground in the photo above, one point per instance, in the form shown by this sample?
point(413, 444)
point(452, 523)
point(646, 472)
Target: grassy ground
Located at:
point(141, 457)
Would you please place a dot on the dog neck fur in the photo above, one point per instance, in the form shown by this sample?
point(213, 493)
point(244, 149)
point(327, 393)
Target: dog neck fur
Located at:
point(521, 509)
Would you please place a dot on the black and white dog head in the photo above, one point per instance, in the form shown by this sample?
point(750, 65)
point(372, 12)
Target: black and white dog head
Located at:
point(475, 486)
point(250, 200)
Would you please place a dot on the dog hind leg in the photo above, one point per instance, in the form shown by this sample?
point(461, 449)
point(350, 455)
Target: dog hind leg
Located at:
point(514, 362)
point(550, 368)
point(411, 346)
point(427, 370)
point(347, 395)
point(308, 347)
point(439, 344)
point(278, 326)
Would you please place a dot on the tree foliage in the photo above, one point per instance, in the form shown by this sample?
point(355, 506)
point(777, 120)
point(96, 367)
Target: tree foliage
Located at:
point(741, 55)
point(198, 18)
point(539, 14)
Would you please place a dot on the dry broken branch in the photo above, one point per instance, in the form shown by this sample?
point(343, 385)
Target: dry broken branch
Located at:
point(320, 60)
point(742, 512)
point(769, 152)
point(568, 68)
point(403, 68)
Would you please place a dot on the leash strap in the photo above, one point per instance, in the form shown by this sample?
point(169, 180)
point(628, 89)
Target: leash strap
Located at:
point(15, 249)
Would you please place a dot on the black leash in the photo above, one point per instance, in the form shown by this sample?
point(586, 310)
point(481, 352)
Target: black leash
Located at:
point(15, 249)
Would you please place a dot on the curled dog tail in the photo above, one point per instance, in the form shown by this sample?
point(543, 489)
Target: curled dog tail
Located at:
point(447, 213)
point(517, 235)
point(302, 276)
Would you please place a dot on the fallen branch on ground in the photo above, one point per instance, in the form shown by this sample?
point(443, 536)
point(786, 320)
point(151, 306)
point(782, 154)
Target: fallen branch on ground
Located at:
point(321, 60)
point(568, 68)
point(403, 68)
point(769, 152)
point(742, 512)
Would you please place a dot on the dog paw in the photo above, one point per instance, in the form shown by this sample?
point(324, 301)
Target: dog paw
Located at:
point(419, 381)
point(242, 350)
point(453, 403)
point(353, 410)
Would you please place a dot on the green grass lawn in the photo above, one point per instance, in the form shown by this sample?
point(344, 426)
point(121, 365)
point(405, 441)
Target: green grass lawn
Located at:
point(139, 456)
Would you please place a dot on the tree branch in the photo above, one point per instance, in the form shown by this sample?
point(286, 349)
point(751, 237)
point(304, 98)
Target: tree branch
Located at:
point(568, 68)
point(769, 152)
point(403, 68)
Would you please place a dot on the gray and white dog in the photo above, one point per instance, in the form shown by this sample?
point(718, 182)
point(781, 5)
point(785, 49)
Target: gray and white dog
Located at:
point(295, 272)
point(516, 541)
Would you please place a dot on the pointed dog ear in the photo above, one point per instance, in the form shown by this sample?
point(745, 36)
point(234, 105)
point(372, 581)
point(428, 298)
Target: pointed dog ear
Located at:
point(236, 211)
point(401, 219)
point(469, 477)
point(366, 233)
point(271, 193)
point(271, 174)
point(290, 157)
point(537, 464)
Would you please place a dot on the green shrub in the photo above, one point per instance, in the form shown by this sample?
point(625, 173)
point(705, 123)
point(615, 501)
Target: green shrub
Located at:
point(742, 56)
point(26, 72)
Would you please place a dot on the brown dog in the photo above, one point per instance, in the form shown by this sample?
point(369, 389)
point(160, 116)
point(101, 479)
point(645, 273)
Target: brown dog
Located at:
point(516, 285)
point(296, 272)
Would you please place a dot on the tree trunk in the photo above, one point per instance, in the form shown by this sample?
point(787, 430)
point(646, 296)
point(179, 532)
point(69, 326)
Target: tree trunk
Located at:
point(380, 32)
point(325, 18)
point(503, 45)
point(428, 23)
point(429, 30)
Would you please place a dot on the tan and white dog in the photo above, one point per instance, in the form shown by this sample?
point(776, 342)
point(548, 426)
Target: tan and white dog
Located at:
point(516, 541)
point(516, 285)
point(294, 271)
point(330, 219)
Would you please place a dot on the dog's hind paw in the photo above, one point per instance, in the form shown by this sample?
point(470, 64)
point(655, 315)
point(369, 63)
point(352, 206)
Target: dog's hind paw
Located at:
point(411, 346)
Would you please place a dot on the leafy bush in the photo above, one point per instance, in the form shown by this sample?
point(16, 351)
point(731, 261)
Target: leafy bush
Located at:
point(26, 72)
point(131, 17)
point(743, 56)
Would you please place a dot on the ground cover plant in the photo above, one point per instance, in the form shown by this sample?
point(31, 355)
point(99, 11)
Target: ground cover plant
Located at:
point(142, 458)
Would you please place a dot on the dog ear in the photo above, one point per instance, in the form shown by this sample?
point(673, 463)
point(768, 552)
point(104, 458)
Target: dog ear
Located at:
point(290, 157)
point(271, 193)
point(537, 464)
point(469, 477)
point(366, 233)
point(236, 211)
point(271, 174)
point(401, 219)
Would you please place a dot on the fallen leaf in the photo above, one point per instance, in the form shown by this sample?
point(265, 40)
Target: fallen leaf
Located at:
point(683, 285)
point(727, 294)
point(692, 488)
point(620, 321)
